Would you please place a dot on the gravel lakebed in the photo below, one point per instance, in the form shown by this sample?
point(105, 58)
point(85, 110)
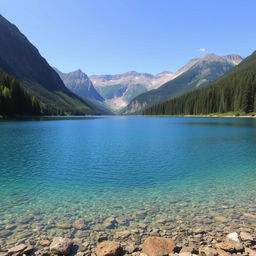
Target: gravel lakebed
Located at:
point(144, 232)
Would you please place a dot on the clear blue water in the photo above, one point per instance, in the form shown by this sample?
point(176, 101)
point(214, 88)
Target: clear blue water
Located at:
point(183, 168)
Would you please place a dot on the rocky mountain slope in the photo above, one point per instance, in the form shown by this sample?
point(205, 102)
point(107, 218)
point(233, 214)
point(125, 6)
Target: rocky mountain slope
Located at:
point(196, 74)
point(235, 92)
point(79, 83)
point(119, 90)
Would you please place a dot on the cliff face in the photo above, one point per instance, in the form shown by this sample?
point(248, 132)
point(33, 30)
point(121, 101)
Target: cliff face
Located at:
point(79, 83)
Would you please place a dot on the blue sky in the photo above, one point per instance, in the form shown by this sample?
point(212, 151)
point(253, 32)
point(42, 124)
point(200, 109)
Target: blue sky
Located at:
point(115, 36)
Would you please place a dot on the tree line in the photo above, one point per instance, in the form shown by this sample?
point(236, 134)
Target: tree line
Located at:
point(234, 92)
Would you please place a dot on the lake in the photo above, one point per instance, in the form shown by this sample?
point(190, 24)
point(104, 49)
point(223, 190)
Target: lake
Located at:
point(143, 170)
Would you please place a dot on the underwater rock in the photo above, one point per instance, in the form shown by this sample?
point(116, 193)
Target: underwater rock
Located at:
point(108, 248)
point(208, 251)
point(158, 246)
point(80, 224)
point(61, 246)
point(220, 219)
point(44, 243)
point(110, 223)
point(245, 236)
point(63, 225)
point(17, 250)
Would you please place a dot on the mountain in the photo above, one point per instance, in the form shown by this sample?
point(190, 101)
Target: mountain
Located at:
point(196, 74)
point(19, 58)
point(233, 92)
point(119, 90)
point(79, 83)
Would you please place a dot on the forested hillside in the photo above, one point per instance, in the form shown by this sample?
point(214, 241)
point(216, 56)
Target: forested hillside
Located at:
point(233, 92)
point(21, 59)
point(199, 74)
point(14, 100)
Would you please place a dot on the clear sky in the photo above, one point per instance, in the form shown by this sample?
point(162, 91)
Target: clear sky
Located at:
point(115, 36)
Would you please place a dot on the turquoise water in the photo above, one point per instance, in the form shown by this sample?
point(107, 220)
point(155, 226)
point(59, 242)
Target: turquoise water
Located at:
point(186, 169)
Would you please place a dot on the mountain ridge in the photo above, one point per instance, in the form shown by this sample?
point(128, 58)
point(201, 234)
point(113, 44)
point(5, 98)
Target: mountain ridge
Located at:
point(79, 83)
point(233, 92)
point(118, 90)
point(196, 73)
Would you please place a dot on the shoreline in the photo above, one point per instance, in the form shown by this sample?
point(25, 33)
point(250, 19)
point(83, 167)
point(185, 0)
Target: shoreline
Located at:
point(78, 117)
point(205, 116)
point(224, 239)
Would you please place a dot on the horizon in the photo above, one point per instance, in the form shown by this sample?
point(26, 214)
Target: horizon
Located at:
point(111, 42)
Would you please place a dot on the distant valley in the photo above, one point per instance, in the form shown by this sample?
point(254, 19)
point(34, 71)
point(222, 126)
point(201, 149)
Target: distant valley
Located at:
point(131, 92)
point(113, 91)
point(119, 90)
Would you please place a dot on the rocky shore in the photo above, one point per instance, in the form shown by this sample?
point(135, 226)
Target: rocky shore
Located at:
point(183, 229)
point(236, 238)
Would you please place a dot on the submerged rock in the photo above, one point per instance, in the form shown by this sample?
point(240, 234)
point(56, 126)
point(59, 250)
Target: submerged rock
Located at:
point(163, 221)
point(122, 221)
point(108, 248)
point(110, 223)
point(5, 233)
point(199, 231)
point(63, 225)
point(80, 224)
point(123, 234)
point(43, 253)
point(61, 246)
point(208, 251)
point(100, 237)
point(233, 237)
point(230, 245)
point(185, 254)
point(11, 227)
point(29, 249)
point(222, 252)
point(189, 249)
point(82, 234)
point(140, 214)
point(250, 216)
point(250, 252)
point(24, 234)
point(158, 246)
point(220, 219)
point(245, 236)
point(44, 242)
point(130, 248)
point(17, 250)
point(26, 220)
